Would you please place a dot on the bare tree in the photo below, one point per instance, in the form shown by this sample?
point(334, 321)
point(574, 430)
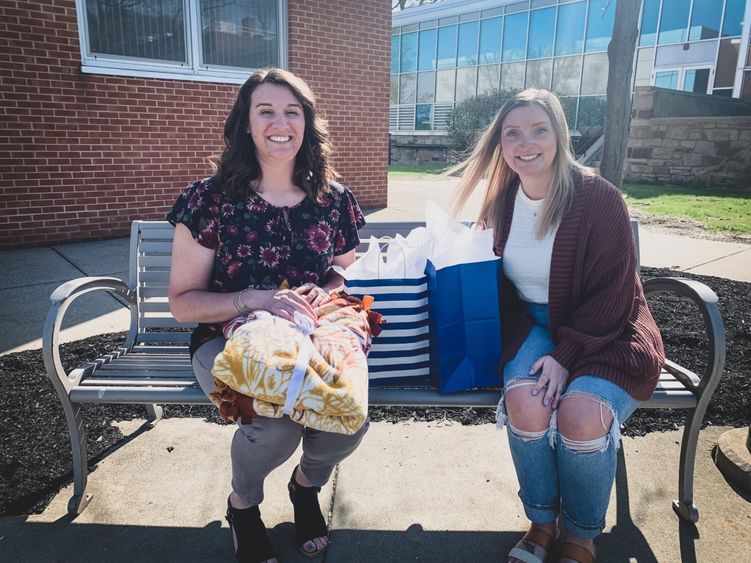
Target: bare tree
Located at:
point(618, 117)
point(404, 4)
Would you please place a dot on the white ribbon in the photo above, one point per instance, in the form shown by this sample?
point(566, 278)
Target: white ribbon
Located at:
point(305, 324)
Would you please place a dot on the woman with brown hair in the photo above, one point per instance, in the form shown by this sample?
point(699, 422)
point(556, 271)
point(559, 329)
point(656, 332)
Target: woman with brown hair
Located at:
point(272, 216)
point(580, 346)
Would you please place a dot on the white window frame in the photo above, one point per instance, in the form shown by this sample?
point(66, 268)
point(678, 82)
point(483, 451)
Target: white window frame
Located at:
point(148, 68)
point(682, 75)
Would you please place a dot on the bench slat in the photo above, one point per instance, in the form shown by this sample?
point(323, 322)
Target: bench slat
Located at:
point(144, 382)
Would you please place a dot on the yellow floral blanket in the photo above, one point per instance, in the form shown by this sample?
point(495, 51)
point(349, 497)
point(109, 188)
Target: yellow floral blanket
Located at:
point(254, 372)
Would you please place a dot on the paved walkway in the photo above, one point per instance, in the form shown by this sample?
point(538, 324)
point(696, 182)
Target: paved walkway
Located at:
point(413, 491)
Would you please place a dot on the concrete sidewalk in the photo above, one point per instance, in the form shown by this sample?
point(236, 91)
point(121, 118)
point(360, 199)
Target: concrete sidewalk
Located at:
point(412, 492)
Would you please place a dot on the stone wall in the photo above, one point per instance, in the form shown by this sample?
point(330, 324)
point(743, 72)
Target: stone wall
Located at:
point(419, 149)
point(710, 151)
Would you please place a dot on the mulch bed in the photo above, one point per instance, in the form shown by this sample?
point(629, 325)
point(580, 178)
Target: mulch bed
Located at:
point(35, 458)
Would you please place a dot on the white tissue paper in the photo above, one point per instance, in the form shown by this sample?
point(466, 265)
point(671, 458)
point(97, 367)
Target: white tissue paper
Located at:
point(454, 243)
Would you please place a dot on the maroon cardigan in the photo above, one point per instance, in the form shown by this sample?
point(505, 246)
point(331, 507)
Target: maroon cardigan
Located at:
point(599, 320)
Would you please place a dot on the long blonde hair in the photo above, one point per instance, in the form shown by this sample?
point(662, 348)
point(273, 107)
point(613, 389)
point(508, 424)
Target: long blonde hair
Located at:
point(486, 161)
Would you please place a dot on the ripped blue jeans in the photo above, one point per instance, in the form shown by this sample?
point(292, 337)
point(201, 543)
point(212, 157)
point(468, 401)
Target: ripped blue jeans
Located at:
point(557, 474)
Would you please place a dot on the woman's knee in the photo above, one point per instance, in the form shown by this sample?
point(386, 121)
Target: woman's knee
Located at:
point(584, 421)
point(525, 411)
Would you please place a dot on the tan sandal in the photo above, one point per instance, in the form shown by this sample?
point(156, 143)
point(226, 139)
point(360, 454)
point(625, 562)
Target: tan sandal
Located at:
point(524, 550)
point(575, 552)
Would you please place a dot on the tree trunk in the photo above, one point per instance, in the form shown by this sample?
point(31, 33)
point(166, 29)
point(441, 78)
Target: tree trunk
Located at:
point(618, 117)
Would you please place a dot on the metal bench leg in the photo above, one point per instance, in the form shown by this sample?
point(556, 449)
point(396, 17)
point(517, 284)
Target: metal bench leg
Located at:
point(684, 507)
point(77, 431)
point(154, 414)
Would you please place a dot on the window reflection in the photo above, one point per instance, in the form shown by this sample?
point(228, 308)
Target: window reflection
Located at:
point(422, 117)
point(512, 76)
point(490, 41)
point(515, 37)
point(466, 80)
point(569, 38)
point(648, 30)
point(407, 87)
point(425, 87)
point(538, 73)
point(726, 62)
point(467, 49)
point(667, 79)
point(566, 71)
point(447, 47)
point(427, 50)
point(705, 20)
point(599, 25)
point(541, 31)
point(444, 85)
point(595, 74)
point(487, 78)
point(408, 59)
point(674, 21)
point(395, 42)
point(733, 24)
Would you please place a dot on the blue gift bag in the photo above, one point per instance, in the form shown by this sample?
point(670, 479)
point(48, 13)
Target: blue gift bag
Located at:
point(465, 325)
point(400, 354)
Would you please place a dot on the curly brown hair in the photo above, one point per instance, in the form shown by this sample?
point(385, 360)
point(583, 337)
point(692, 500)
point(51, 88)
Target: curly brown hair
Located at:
point(237, 166)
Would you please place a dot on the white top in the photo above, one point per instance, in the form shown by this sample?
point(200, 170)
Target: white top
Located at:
point(526, 259)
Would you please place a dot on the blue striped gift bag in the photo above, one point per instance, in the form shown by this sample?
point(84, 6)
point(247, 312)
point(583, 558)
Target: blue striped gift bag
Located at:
point(400, 354)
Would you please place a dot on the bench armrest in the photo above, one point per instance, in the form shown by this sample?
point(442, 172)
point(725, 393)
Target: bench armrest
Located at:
point(61, 299)
point(706, 300)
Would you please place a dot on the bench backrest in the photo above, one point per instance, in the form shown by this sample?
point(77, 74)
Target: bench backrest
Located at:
point(150, 256)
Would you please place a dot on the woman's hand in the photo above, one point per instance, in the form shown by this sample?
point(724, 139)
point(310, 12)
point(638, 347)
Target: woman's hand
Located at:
point(553, 375)
point(282, 303)
point(314, 295)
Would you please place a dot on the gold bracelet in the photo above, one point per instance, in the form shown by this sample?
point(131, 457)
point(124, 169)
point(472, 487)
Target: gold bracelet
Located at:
point(237, 302)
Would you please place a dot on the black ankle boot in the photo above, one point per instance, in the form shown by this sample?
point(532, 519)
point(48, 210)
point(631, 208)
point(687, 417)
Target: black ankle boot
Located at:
point(309, 522)
point(249, 534)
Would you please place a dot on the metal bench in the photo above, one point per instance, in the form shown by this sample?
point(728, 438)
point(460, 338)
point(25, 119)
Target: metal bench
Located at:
point(153, 367)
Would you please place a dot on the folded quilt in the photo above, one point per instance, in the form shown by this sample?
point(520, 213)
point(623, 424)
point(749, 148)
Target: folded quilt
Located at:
point(317, 375)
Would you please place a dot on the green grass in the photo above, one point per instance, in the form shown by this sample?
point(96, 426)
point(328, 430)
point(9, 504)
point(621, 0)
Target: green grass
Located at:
point(718, 211)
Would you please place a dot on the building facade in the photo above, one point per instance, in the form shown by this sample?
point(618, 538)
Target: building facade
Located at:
point(111, 108)
point(444, 53)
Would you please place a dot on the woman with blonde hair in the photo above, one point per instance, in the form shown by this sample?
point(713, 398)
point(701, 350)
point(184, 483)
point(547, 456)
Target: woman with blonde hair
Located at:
point(581, 348)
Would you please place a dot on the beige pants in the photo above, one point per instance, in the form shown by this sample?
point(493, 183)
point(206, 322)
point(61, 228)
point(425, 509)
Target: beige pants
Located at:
point(266, 443)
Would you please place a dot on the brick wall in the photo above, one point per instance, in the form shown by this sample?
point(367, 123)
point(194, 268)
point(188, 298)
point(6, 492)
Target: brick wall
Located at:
point(83, 155)
point(342, 49)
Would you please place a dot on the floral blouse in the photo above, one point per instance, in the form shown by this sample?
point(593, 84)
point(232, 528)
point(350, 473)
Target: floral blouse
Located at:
point(260, 245)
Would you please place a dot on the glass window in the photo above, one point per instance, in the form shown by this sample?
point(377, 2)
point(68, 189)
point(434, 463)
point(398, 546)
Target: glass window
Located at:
point(425, 87)
point(515, 37)
point(705, 20)
point(599, 25)
point(153, 31)
point(650, 13)
point(569, 108)
point(696, 80)
point(394, 96)
point(569, 39)
point(467, 49)
point(643, 73)
point(466, 82)
point(746, 87)
point(595, 74)
point(408, 58)
point(395, 54)
point(407, 86)
point(512, 77)
point(566, 74)
point(426, 52)
point(725, 93)
point(667, 79)
point(591, 113)
point(733, 24)
point(490, 41)
point(422, 117)
point(727, 58)
point(674, 21)
point(487, 78)
point(447, 47)
point(541, 32)
point(444, 85)
point(538, 73)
